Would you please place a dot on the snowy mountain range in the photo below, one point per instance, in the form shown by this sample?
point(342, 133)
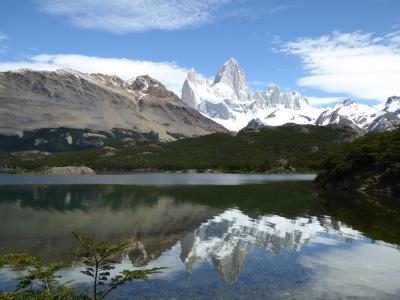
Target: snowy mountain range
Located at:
point(228, 101)
point(367, 118)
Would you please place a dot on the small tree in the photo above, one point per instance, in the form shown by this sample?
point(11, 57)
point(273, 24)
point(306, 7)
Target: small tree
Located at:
point(99, 258)
point(38, 281)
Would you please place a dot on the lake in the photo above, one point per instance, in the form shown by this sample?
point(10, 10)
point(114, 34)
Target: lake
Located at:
point(220, 236)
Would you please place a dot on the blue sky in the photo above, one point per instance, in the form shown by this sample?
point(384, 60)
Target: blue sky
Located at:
point(325, 49)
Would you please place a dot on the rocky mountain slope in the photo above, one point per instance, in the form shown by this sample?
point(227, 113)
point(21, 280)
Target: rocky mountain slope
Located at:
point(31, 100)
point(229, 101)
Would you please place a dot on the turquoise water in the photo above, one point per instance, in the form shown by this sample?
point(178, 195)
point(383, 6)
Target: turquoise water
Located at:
point(219, 236)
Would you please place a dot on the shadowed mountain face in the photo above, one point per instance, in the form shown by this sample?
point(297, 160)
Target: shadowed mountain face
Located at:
point(32, 100)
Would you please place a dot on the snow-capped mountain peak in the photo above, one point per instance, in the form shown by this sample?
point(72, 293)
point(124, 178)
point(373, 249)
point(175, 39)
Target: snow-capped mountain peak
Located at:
point(192, 75)
point(392, 105)
point(234, 77)
point(350, 113)
point(294, 100)
point(228, 101)
point(273, 89)
point(347, 102)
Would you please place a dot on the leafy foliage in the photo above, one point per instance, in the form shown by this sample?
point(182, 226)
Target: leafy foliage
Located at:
point(99, 258)
point(371, 164)
point(41, 281)
point(60, 294)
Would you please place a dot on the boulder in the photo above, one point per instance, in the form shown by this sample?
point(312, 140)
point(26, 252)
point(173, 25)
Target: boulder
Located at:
point(70, 170)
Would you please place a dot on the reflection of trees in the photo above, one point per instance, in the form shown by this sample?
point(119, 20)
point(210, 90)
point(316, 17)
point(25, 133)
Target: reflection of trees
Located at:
point(378, 219)
point(157, 224)
point(36, 219)
point(277, 197)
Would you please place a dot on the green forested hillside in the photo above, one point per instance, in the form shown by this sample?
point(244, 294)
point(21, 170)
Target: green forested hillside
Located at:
point(69, 139)
point(284, 148)
point(370, 164)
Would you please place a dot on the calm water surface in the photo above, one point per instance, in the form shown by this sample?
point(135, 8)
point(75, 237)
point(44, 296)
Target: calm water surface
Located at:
point(154, 179)
point(220, 236)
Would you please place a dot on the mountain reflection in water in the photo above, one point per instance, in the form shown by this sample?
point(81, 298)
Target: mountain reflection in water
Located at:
point(261, 239)
point(226, 240)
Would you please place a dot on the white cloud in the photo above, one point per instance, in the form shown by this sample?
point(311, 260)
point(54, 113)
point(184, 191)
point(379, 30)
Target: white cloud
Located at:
point(322, 101)
point(364, 271)
point(358, 64)
point(123, 16)
point(169, 73)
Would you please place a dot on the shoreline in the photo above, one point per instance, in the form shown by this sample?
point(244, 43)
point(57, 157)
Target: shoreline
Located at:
point(153, 179)
point(156, 171)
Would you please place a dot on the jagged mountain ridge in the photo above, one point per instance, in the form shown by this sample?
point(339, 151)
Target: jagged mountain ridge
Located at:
point(367, 118)
point(67, 98)
point(229, 101)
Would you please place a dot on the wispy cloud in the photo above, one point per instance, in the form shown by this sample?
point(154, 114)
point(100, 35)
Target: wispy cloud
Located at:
point(169, 73)
point(276, 39)
point(3, 37)
point(278, 8)
point(122, 16)
point(357, 64)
